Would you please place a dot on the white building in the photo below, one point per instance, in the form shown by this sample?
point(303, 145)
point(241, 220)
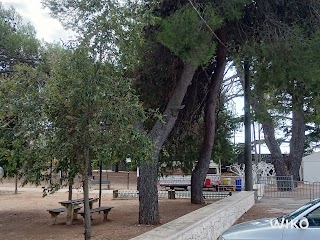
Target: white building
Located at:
point(310, 168)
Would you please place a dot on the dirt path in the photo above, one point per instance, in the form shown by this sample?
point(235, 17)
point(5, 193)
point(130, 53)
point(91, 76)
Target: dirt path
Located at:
point(24, 216)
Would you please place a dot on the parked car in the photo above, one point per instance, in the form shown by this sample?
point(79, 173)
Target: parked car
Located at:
point(303, 223)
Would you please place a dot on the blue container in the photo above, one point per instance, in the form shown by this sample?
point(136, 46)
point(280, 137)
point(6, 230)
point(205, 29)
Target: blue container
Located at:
point(238, 184)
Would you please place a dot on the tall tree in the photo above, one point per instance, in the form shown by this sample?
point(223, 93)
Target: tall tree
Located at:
point(275, 23)
point(229, 12)
point(286, 91)
point(202, 166)
point(191, 44)
point(92, 114)
point(20, 84)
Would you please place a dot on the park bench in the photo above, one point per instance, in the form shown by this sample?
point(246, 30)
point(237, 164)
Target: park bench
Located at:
point(105, 211)
point(56, 211)
point(103, 182)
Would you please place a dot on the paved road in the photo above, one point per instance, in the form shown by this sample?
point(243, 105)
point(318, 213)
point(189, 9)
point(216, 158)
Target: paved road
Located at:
point(285, 205)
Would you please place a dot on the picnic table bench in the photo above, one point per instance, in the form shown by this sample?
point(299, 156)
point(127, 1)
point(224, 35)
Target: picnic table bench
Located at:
point(105, 211)
point(56, 211)
point(103, 182)
point(71, 207)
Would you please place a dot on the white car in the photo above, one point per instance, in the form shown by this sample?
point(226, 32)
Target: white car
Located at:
point(302, 224)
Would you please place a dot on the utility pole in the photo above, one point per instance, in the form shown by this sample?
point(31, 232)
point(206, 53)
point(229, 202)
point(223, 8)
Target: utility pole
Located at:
point(247, 126)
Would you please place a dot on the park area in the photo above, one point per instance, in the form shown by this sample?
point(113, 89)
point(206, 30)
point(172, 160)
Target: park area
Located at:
point(25, 216)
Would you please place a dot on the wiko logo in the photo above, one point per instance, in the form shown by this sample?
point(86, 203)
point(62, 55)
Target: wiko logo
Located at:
point(284, 223)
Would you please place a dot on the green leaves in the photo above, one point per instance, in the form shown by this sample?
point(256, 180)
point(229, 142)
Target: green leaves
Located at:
point(22, 115)
point(113, 29)
point(17, 41)
point(187, 36)
point(88, 105)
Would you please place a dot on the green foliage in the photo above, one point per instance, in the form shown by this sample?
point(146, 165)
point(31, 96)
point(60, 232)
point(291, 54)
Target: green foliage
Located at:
point(285, 70)
point(18, 43)
point(113, 28)
point(76, 100)
point(224, 151)
point(20, 94)
point(232, 10)
point(21, 125)
point(182, 149)
point(90, 107)
point(187, 36)
point(280, 66)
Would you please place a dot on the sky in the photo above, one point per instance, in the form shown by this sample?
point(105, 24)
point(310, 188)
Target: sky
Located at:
point(50, 30)
point(47, 28)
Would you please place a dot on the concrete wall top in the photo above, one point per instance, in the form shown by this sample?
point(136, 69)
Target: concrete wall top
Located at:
point(190, 221)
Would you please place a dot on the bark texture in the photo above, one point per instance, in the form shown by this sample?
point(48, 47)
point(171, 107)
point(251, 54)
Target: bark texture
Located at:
point(87, 218)
point(297, 137)
point(202, 166)
point(70, 190)
point(148, 193)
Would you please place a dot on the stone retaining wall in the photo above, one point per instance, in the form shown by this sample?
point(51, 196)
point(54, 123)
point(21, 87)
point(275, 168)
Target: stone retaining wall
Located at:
point(205, 223)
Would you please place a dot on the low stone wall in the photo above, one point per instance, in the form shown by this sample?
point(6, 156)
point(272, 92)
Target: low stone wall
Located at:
point(170, 194)
point(208, 222)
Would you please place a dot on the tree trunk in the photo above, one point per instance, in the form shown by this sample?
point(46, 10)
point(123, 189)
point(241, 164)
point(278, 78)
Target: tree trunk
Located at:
point(16, 184)
point(89, 170)
point(202, 166)
point(87, 218)
point(297, 138)
point(274, 148)
point(70, 190)
point(148, 193)
point(259, 107)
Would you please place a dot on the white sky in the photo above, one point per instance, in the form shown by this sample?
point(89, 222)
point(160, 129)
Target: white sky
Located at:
point(47, 28)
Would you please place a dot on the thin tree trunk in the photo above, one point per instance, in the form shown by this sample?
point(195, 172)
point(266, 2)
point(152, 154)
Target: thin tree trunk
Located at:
point(274, 148)
point(148, 193)
point(298, 137)
point(87, 218)
point(70, 190)
point(16, 184)
point(258, 105)
point(70, 179)
point(202, 166)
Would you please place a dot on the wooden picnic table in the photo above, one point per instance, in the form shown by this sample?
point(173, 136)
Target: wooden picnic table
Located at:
point(70, 205)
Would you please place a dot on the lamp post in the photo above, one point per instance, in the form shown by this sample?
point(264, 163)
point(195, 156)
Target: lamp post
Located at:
point(128, 160)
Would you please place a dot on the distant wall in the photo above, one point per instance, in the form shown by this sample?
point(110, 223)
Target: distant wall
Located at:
point(208, 222)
